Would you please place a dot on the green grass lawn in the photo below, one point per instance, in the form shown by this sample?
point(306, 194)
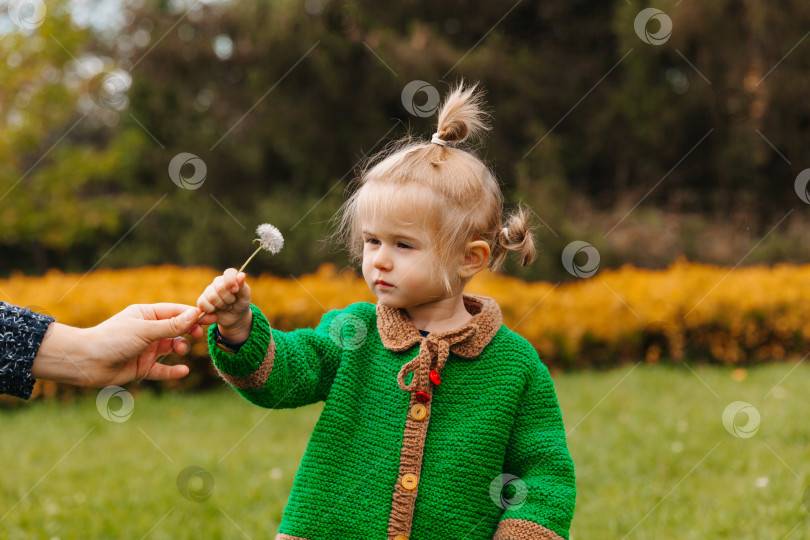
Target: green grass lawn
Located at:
point(653, 459)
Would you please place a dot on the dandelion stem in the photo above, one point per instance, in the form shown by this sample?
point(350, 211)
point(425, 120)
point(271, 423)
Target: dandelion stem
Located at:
point(270, 239)
point(250, 258)
point(240, 270)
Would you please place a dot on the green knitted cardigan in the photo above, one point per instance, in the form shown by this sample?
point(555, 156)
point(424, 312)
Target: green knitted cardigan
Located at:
point(493, 463)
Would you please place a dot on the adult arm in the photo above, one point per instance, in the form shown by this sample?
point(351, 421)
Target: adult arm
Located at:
point(123, 348)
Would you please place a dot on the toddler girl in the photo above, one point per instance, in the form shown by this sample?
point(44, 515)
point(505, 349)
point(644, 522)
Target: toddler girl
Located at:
point(439, 422)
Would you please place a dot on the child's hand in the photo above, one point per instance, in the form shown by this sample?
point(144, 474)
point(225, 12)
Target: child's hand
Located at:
point(228, 297)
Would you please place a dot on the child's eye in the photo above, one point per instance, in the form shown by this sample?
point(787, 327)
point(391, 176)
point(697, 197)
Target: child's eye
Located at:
point(374, 241)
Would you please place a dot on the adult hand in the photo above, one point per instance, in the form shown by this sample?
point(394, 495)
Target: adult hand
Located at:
point(123, 348)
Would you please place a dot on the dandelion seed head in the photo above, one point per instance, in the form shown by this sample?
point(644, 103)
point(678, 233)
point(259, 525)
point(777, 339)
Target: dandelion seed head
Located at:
point(270, 238)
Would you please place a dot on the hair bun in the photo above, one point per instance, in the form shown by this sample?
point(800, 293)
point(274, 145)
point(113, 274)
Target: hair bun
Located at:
point(462, 115)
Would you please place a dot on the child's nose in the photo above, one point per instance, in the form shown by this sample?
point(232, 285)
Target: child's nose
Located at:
point(382, 260)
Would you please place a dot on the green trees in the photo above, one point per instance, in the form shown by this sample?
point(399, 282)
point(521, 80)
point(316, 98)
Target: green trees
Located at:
point(280, 100)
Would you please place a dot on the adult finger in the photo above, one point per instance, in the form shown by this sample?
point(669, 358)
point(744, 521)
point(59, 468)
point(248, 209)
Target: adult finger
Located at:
point(162, 372)
point(208, 318)
point(196, 332)
point(165, 346)
point(169, 328)
point(180, 345)
point(161, 310)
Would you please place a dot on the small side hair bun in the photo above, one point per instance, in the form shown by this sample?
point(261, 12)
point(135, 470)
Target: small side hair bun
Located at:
point(438, 184)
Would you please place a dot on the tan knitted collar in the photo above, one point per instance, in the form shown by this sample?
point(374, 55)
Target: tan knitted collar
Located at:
point(398, 332)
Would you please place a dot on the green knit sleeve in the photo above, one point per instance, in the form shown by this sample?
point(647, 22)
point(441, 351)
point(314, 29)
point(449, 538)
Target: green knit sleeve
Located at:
point(539, 485)
point(279, 370)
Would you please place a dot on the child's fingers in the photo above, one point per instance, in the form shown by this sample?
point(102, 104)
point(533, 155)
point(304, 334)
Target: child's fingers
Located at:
point(215, 299)
point(204, 304)
point(230, 278)
point(210, 300)
point(224, 290)
point(244, 293)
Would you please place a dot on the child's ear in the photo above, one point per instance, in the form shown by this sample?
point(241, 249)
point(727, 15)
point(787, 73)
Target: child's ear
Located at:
point(475, 258)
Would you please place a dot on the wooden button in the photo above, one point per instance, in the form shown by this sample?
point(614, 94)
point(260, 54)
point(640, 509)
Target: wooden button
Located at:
point(409, 481)
point(418, 412)
point(401, 537)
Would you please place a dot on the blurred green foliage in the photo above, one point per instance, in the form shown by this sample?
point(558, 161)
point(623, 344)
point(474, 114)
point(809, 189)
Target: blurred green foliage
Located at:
point(301, 90)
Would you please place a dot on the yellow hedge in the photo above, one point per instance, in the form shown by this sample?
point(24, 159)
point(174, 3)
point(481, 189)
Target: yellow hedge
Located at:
point(702, 311)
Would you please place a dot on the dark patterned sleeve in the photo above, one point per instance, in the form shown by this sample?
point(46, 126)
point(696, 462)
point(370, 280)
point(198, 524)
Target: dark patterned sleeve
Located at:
point(21, 333)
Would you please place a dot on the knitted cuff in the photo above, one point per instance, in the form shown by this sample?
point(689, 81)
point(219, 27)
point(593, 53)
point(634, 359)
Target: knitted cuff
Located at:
point(250, 354)
point(522, 529)
point(21, 333)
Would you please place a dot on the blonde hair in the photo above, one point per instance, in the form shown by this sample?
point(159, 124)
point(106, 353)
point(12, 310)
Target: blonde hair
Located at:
point(447, 191)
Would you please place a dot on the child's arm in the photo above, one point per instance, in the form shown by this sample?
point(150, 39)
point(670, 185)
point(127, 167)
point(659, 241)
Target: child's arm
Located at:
point(538, 456)
point(272, 369)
